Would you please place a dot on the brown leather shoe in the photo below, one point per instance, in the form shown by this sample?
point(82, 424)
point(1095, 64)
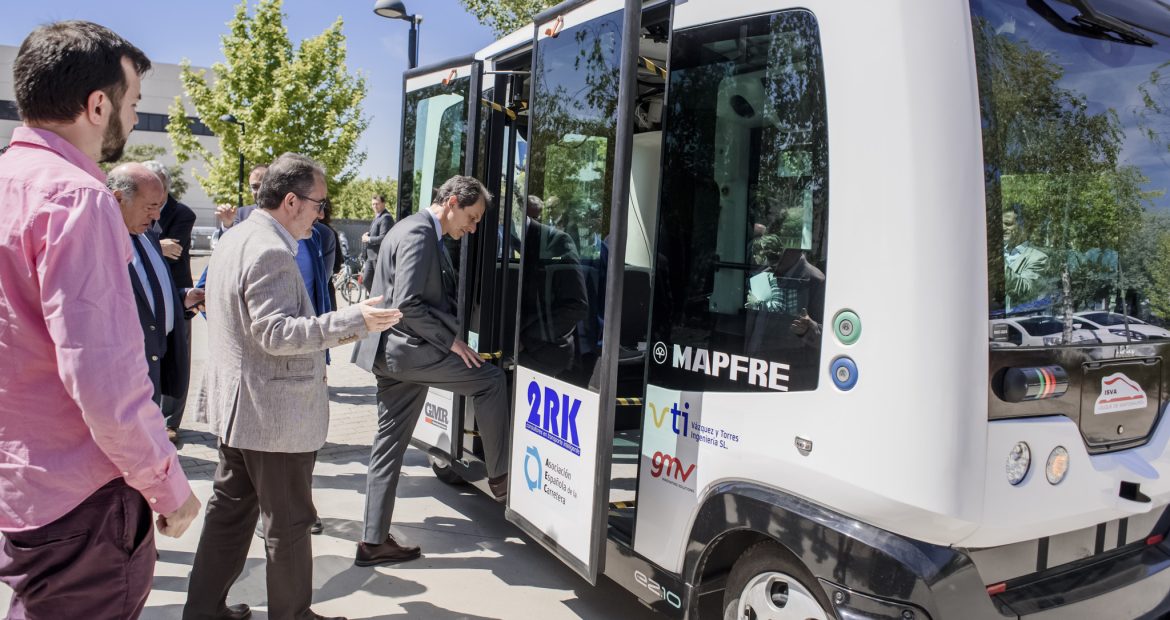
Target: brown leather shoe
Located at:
point(385, 553)
point(499, 486)
point(237, 612)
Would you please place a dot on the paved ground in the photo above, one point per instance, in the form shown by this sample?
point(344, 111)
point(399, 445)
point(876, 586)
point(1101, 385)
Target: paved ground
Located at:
point(475, 564)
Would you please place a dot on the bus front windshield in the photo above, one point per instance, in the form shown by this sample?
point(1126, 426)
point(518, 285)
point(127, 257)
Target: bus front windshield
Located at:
point(1075, 141)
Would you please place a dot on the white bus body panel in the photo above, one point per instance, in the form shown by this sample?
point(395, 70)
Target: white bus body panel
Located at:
point(910, 448)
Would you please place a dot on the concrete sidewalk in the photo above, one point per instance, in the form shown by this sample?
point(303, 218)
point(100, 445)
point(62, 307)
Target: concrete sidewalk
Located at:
point(475, 564)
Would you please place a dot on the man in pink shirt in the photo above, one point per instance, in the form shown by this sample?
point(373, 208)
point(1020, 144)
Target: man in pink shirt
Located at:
point(84, 455)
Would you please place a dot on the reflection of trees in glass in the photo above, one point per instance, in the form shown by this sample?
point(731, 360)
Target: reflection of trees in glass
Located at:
point(449, 146)
point(1055, 166)
point(573, 125)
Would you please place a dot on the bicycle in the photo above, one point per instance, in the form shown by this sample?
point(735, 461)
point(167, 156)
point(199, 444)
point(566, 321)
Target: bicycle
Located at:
point(347, 281)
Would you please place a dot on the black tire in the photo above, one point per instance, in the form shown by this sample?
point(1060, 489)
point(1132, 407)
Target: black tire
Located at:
point(445, 474)
point(788, 590)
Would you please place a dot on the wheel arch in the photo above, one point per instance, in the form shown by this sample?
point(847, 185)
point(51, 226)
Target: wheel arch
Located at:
point(831, 547)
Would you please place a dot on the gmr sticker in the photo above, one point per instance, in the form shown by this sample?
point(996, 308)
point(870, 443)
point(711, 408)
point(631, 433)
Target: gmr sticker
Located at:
point(1119, 393)
point(436, 416)
point(657, 589)
point(554, 417)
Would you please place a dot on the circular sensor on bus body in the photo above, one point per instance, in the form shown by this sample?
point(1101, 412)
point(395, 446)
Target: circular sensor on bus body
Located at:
point(1018, 462)
point(847, 326)
point(1057, 465)
point(844, 373)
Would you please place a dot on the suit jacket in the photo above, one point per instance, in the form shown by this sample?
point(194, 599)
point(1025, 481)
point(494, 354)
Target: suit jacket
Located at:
point(378, 229)
point(264, 388)
point(176, 222)
point(417, 278)
point(166, 354)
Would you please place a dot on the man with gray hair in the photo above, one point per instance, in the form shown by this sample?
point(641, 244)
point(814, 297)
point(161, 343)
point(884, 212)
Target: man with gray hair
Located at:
point(266, 397)
point(174, 228)
point(140, 194)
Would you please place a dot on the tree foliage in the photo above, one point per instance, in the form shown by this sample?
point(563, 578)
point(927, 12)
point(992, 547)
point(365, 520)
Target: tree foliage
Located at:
point(505, 16)
point(300, 99)
point(147, 152)
point(353, 200)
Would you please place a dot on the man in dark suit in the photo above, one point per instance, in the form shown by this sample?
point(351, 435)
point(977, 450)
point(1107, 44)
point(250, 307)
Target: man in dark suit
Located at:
point(227, 216)
point(373, 239)
point(174, 231)
point(140, 196)
point(424, 350)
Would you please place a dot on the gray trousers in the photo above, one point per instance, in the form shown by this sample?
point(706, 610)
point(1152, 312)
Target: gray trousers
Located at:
point(249, 484)
point(401, 396)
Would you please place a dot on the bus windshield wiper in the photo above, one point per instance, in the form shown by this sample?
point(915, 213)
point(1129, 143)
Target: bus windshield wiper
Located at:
point(1092, 23)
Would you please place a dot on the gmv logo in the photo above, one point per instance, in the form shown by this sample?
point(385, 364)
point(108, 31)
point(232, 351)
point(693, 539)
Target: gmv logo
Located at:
point(554, 416)
point(663, 464)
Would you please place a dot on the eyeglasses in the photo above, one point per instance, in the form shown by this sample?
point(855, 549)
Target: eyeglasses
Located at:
point(322, 204)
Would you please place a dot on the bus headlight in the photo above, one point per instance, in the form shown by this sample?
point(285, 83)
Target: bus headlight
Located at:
point(1018, 462)
point(1057, 465)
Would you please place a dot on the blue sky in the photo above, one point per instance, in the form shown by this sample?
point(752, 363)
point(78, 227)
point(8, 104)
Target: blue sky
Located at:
point(170, 31)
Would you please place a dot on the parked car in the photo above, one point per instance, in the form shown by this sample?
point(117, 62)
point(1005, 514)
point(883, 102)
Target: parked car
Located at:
point(202, 238)
point(1120, 325)
point(1040, 331)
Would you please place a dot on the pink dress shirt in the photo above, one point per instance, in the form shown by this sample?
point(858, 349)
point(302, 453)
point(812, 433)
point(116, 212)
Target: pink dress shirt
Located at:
point(75, 399)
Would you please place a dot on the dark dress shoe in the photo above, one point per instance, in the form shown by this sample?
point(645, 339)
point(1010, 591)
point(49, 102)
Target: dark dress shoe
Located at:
point(385, 553)
point(317, 527)
point(237, 612)
point(499, 486)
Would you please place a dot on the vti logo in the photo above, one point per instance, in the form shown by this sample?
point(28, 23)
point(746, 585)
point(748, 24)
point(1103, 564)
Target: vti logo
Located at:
point(657, 589)
point(436, 415)
point(663, 464)
point(554, 416)
point(679, 426)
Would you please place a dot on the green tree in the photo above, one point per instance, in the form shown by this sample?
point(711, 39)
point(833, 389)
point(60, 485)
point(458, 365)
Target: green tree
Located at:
point(353, 200)
point(147, 152)
point(299, 99)
point(505, 16)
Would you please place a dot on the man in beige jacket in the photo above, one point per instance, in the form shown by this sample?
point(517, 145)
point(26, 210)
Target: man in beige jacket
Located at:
point(266, 397)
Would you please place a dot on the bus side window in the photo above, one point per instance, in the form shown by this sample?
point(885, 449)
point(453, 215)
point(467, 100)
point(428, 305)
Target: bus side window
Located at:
point(744, 205)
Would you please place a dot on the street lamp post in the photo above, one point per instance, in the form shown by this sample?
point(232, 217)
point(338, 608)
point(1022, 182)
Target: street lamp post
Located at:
point(395, 9)
point(230, 118)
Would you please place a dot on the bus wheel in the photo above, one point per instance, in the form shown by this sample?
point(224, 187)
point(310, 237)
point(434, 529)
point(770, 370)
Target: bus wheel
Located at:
point(445, 473)
point(765, 585)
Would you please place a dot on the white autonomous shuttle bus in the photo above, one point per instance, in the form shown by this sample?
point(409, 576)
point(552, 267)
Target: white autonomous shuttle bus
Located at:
point(757, 271)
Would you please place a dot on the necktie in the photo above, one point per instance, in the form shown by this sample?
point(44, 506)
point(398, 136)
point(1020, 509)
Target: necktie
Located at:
point(155, 287)
point(448, 273)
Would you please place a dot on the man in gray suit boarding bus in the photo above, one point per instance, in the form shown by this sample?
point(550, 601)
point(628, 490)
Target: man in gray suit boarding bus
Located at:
point(415, 274)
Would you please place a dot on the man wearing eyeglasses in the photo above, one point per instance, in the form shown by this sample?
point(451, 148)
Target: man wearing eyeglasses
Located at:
point(266, 398)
